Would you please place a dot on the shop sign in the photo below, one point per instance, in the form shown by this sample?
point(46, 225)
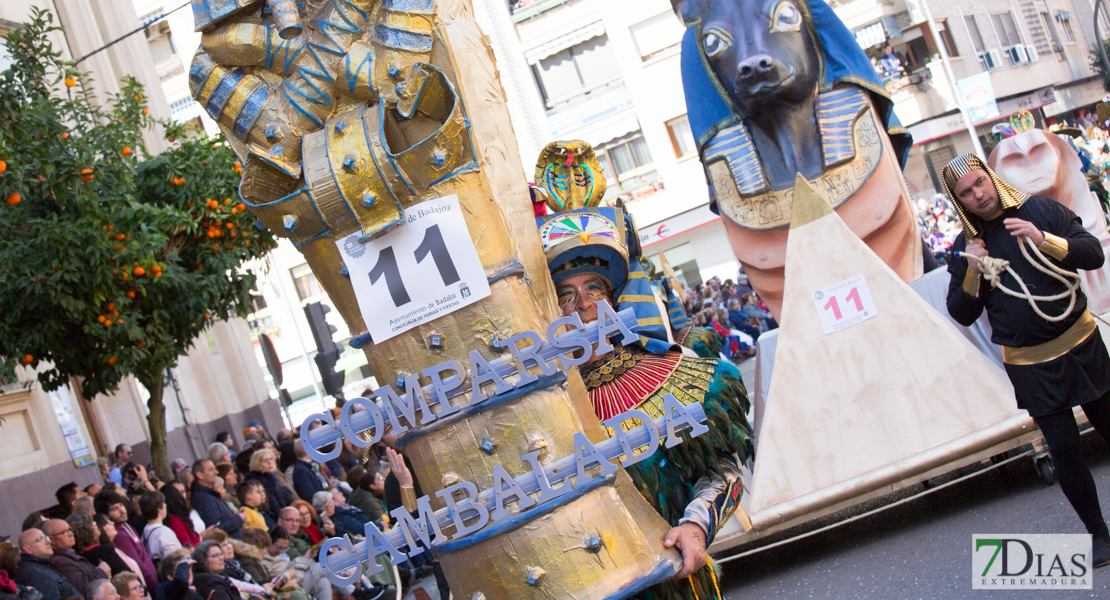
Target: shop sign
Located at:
point(678, 224)
point(977, 93)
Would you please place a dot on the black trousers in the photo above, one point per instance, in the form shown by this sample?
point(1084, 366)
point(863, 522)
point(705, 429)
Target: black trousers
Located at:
point(1061, 433)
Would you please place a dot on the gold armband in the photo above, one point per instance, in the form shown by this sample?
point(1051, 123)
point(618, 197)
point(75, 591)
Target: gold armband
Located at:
point(971, 282)
point(408, 498)
point(1054, 246)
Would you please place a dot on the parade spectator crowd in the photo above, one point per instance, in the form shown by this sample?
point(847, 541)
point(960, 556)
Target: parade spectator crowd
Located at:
point(732, 309)
point(239, 524)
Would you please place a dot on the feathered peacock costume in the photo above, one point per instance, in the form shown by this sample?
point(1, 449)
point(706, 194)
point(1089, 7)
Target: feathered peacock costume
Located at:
point(697, 481)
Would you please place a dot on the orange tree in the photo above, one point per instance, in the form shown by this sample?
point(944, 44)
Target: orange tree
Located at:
point(112, 261)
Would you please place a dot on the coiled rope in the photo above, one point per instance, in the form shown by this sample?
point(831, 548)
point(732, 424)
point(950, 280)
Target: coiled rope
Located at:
point(992, 269)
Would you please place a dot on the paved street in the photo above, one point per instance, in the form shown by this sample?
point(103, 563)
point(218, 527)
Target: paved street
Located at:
point(922, 549)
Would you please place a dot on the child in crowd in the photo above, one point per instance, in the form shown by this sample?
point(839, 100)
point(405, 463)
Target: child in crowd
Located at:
point(251, 495)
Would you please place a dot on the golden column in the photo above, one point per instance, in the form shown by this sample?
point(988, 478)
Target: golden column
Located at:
point(374, 107)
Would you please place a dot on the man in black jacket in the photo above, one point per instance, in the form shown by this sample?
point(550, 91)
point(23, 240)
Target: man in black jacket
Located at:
point(79, 571)
point(305, 480)
point(1055, 363)
point(35, 570)
point(213, 509)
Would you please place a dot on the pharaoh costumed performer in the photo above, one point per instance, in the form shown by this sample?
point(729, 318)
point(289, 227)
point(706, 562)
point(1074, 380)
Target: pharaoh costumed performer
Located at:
point(593, 255)
point(779, 87)
point(1051, 347)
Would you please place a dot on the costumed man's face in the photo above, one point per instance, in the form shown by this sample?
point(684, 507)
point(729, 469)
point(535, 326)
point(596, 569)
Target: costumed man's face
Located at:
point(581, 293)
point(976, 193)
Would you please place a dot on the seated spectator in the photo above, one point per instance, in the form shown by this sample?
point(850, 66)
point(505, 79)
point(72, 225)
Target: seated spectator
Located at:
point(363, 497)
point(251, 496)
point(209, 579)
point(175, 578)
point(225, 438)
point(276, 559)
point(229, 474)
point(177, 516)
point(306, 474)
point(159, 539)
point(218, 453)
point(289, 521)
point(87, 543)
point(78, 570)
point(263, 468)
point(250, 552)
point(83, 506)
point(348, 519)
point(213, 510)
point(242, 580)
point(129, 587)
point(9, 563)
point(67, 496)
point(33, 521)
point(101, 589)
point(310, 531)
point(35, 571)
point(114, 506)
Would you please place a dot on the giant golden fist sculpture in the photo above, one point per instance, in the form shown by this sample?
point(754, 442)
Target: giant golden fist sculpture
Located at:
point(347, 112)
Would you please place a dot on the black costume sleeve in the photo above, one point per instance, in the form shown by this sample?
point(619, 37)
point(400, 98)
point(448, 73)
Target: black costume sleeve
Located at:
point(1084, 251)
point(965, 307)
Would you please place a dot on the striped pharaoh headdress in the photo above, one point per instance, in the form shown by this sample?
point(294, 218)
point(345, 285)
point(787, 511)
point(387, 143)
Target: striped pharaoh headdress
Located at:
point(962, 165)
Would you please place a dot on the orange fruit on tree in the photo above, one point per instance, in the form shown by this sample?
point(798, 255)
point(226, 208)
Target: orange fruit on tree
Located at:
point(112, 361)
point(171, 138)
point(70, 82)
point(138, 96)
point(123, 277)
point(14, 199)
point(139, 271)
point(87, 176)
point(227, 200)
point(130, 293)
point(230, 225)
point(207, 316)
point(241, 206)
point(64, 135)
point(27, 359)
point(112, 307)
point(100, 318)
point(140, 343)
point(213, 204)
point(3, 167)
point(126, 151)
point(146, 111)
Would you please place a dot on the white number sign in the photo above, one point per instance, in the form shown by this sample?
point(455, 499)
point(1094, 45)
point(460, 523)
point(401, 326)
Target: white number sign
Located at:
point(421, 271)
point(844, 304)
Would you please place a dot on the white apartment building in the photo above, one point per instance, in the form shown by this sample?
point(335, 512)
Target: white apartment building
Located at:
point(1035, 51)
point(607, 72)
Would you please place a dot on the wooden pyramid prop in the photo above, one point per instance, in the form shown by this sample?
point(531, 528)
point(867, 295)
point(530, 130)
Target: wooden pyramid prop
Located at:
point(871, 394)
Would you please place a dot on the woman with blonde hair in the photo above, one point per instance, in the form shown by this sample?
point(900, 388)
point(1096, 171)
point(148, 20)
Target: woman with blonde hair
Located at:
point(263, 468)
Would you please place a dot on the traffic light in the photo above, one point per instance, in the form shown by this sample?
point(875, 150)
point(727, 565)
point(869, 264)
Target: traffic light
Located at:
point(327, 352)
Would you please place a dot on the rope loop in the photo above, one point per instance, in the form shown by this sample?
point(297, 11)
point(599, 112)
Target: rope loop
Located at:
point(992, 269)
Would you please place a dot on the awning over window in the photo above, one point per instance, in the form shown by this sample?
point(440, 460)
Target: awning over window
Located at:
point(563, 42)
point(612, 131)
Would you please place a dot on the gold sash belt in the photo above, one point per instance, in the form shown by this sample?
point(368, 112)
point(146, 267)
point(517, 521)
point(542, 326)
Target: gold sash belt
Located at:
point(1053, 349)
